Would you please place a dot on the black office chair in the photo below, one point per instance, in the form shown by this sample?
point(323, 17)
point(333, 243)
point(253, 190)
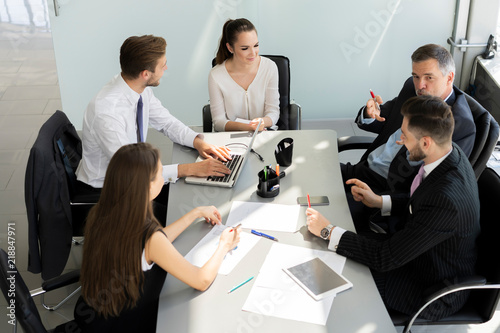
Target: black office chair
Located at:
point(487, 132)
point(290, 112)
point(16, 292)
point(485, 288)
point(56, 211)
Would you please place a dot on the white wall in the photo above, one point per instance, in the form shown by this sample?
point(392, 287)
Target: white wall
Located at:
point(338, 50)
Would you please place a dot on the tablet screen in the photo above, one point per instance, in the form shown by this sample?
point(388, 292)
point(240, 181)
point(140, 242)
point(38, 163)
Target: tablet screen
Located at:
point(317, 278)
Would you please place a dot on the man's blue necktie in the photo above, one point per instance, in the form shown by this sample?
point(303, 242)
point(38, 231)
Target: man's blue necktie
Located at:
point(140, 134)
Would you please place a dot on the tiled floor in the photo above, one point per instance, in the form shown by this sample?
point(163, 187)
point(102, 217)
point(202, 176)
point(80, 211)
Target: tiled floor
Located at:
point(29, 94)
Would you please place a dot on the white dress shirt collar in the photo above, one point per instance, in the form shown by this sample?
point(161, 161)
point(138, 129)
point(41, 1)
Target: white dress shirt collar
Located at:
point(451, 92)
point(431, 166)
point(129, 93)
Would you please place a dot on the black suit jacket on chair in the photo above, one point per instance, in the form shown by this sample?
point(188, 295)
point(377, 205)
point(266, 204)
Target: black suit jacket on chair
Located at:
point(435, 245)
point(47, 199)
point(401, 173)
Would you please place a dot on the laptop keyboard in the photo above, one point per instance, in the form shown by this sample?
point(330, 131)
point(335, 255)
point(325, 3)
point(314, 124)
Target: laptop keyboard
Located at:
point(232, 165)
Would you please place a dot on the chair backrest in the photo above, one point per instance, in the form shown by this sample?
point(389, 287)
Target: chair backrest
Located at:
point(482, 122)
point(17, 293)
point(485, 301)
point(283, 64)
point(207, 118)
point(285, 122)
point(489, 146)
point(487, 131)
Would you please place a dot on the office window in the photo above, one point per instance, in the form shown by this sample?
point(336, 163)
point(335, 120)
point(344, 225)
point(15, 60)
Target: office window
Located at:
point(25, 13)
point(497, 35)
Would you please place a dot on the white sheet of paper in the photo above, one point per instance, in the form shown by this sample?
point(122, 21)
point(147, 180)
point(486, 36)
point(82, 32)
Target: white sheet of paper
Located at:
point(496, 155)
point(264, 216)
point(247, 121)
point(241, 120)
point(275, 294)
point(206, 247)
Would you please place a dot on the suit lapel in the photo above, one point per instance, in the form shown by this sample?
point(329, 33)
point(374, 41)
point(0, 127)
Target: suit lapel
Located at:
point(453, 97)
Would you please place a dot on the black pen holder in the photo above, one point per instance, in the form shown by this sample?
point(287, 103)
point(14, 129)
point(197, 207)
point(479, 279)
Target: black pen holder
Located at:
point(284, 152)
point(269, 185)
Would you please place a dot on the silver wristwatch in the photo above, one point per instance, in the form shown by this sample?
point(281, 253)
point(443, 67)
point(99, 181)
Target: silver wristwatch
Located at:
point(325, 232)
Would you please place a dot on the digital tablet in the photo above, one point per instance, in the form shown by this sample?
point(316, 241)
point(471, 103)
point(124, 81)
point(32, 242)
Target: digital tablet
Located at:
point(317, 278)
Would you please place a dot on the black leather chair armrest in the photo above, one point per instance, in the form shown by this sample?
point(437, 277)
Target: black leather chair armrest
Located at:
point(462, 282)
point(87, 199)
point(61, 281)
point(465, 283)
point(295, 116)
point(354, 142)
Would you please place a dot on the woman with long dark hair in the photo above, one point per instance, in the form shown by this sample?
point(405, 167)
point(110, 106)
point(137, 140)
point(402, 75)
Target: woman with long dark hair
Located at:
point(127, 253)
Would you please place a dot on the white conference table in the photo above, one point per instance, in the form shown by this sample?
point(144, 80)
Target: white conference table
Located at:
point(315, 170)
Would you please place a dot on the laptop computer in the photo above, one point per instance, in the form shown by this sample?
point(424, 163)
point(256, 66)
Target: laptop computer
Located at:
point(236, 165)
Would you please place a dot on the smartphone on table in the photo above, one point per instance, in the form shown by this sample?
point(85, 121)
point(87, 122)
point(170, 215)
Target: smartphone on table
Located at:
point(315, 201)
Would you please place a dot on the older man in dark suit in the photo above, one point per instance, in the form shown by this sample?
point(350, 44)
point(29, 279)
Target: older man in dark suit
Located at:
point(385, 166)
point(436, 242)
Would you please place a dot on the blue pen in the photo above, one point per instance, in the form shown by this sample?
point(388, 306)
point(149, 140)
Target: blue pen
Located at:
point(236, 287)
point(275, 187)
point(264, 235)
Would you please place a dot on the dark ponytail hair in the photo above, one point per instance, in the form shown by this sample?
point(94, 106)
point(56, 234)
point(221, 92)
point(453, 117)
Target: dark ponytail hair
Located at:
point(230, 32)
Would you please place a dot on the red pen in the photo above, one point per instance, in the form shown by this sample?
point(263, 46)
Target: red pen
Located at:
point(371, 93)
point(375, 100)
point(308, 200)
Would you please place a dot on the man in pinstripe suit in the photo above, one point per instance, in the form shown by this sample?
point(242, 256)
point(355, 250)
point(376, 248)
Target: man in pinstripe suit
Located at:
point(384, 165)
point(436, 243)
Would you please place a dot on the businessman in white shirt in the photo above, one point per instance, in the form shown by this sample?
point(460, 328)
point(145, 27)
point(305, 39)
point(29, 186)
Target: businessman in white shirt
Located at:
point(111, 118)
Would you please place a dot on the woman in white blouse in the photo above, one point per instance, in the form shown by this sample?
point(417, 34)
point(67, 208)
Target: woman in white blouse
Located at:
point(243, 85)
